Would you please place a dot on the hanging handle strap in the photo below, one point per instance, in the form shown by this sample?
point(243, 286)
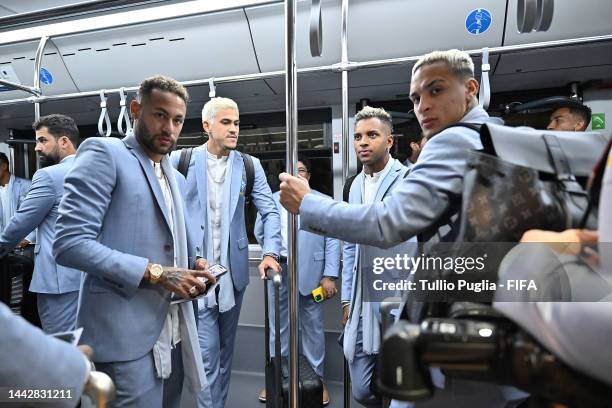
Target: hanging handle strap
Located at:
point(484, 95)
point(124, 117)
point(316, 29)
point(213, 90)
point(104, 119)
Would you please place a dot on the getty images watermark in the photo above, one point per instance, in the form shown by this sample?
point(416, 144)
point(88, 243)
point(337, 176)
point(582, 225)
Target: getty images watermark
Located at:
point(474, 272)
point(411, 266)
point(487, 272)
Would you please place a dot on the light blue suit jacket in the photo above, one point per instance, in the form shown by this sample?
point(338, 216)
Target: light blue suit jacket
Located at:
point(431, 193)
point(357, 260)
point(318, 256)
point(33, 360)
point(352, 251)
point(39, 210)
point(234, 232)
point(18, 191)
point(113, 221)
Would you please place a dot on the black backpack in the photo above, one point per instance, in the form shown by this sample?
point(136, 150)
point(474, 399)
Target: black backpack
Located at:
point(249, 169)
point(347, 187)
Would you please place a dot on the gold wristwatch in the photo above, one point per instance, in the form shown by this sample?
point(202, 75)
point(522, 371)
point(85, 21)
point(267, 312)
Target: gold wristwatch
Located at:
point(155, 272)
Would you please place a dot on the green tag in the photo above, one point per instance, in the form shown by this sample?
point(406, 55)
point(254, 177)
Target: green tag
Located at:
point(598, 121)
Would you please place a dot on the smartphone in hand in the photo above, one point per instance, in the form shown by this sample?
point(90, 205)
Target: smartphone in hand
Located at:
point(71, 337)
point(217, 270)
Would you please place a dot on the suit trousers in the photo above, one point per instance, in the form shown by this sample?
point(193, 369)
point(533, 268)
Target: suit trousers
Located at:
point(362, 369)
point(57, 312)
point(137, 384)
point(312, 333)
point(217, 333)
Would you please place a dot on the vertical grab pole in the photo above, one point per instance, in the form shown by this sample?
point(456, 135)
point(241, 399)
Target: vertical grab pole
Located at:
point(345, 107)
point(291, 119)
point(345, 155)
point(36, 83)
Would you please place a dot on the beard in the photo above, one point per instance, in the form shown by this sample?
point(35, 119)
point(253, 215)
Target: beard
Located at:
point(49, 159)
point(148, 140)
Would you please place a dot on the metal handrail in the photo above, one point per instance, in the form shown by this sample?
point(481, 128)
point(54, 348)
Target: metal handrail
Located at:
point(506, 49)
point(19, 87)
point(345, 85)
point(291, 102)
point(35, 88)
point(37, 67)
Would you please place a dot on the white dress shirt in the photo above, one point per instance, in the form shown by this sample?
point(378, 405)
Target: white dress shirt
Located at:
point(371, 183)
point(216, 171)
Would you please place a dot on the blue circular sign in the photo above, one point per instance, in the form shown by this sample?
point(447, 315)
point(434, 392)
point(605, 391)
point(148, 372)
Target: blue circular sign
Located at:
point(45, 76)
point(478, 21)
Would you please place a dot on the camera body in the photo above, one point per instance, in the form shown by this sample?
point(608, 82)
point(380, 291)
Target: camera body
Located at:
point(482, 347)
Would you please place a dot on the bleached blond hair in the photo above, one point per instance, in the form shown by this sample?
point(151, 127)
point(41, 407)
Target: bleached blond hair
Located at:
point(213, 106)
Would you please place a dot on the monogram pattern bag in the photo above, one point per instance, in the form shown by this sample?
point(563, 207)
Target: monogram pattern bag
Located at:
point(524, 179)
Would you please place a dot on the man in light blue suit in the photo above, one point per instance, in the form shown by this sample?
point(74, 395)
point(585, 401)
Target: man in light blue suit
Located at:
point(122, 223)
point(13, 190)
point(57, 286)
point(373, 139)
point(319, 265)
point(32, 360)
point(443, 91)
point(215, 199)
point(427, 202)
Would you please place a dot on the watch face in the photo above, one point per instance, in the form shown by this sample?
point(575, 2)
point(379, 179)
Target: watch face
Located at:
point(156, 270)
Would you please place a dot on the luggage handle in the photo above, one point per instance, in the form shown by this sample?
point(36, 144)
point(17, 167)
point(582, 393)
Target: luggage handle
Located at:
point(276, 282)
point(266, 320)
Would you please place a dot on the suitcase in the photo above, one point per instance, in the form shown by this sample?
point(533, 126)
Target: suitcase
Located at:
point(310, 387)
point(15, 276)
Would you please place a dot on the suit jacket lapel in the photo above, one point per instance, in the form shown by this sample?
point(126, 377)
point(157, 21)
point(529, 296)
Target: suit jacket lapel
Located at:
point(387, 181)
point(134, 147)
point(356, 197)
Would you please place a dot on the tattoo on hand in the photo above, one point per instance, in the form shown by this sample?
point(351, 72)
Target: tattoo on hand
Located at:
point(173, 277)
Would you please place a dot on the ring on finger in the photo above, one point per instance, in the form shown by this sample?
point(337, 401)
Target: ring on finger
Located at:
point(193, 291)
